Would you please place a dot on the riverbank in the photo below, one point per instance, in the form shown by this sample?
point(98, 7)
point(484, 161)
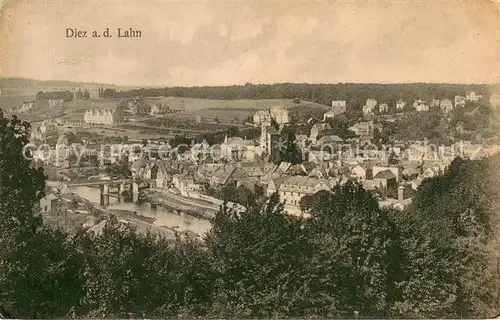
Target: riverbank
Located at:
point(181, 205)
point(74, 213)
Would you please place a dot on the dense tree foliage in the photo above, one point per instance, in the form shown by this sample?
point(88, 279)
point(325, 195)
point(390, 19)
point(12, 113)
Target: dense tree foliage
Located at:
point(448, 237)
point(438, 127)
point(354, 94)
point(340, 127)
point(287, 149)
point(350, 259)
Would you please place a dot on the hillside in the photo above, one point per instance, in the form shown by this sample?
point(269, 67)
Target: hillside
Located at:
point(16, 83)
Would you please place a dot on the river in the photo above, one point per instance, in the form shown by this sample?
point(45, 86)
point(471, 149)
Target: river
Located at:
point(163, 216)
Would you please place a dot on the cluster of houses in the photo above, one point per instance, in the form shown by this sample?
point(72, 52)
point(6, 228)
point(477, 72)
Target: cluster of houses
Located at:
point(243, 162)
point(239, 162)
point(446, 105)
point(394, 184)
point(50, 100)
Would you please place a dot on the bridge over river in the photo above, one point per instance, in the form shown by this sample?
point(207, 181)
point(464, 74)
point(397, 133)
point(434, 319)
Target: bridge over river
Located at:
point(113, 188)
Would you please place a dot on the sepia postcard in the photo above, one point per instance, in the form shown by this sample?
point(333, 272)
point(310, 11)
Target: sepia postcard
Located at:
point(249, 159)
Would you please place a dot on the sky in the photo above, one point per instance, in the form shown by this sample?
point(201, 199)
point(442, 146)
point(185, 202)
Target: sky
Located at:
point(223, 43)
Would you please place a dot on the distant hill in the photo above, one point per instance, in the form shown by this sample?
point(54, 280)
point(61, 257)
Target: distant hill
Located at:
point(10, 83)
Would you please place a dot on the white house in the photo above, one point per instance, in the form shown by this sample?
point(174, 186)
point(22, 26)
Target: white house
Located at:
point(495, 100)
point(446, 105)
point(383, 108)
point(328, 115)
point(460, 101)
point(339, 106)
point(369, 106)
point(472, 96)
point(400, 105)
point(420, 105)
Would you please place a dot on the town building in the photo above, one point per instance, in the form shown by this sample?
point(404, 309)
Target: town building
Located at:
point(234, 148)
point(256, 170)
point(400, 105)
point(55, 103)
point(99, 116)
point(278, 113)
point(396, 171)
point(385, 181)
point(329, 140)
point(446, 105)
point(420, 105)
point(434, 103)
point(158, 109)
point(199, 118)
point(472, 96)
point(460, 101)
point(369, 107)
point(261, 116)
point(144, 169)
point(185, 184)
point(48, 203)
point(367, 110)
point(383, 108)
point(339, 106)
point(495, 100)
point(291, 189)
point(318, 131)
point(164, 175)
point(27, 106)
point(270, 138)
point(328, 115)
point(362, 172)
point(364, 130)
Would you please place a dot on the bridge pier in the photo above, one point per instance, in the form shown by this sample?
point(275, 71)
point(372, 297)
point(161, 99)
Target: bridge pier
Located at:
point(122, 188)
point(135, 192)
point(104, 195)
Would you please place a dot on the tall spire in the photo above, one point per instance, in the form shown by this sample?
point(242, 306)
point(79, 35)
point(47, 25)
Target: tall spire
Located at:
point(225, 138)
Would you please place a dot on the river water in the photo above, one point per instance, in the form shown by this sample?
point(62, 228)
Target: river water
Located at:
point(163, 216)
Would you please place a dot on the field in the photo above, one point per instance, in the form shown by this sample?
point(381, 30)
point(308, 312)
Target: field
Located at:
point(216, 114)
point(227, 111)
point(192, 104)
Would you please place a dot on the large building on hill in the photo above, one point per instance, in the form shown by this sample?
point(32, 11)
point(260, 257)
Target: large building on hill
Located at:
point(339, 106)
point(99, 116)
point(261, 116)
point(495, 100)
point(280, 114)
point(277, 113)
